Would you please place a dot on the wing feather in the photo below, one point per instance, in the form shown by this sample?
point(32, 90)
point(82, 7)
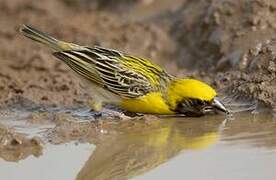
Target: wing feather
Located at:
point(124, 75)
point(75, 63)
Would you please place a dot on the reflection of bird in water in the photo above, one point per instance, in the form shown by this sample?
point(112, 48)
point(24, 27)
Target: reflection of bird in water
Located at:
point(147, 145)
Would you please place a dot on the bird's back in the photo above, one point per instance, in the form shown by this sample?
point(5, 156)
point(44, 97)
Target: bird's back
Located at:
point(124, 75)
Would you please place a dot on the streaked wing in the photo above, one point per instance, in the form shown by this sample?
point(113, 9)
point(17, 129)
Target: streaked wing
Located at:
point(124, 75)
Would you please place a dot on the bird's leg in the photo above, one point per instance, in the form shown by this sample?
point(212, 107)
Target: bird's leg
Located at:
point(117, 112)
point(123, 115)
point(96, 107)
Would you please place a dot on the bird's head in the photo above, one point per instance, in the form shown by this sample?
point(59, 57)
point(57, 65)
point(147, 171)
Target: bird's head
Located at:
point(193, 98)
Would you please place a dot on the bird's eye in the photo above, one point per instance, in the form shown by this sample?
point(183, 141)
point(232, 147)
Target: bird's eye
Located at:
point(199, 102)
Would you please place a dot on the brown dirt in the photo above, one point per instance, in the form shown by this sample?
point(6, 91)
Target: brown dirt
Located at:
point(219, 39)
point(29, 71)
point(231, 41)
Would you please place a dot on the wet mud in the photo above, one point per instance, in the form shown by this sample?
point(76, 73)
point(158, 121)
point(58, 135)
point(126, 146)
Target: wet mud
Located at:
point(123, 151)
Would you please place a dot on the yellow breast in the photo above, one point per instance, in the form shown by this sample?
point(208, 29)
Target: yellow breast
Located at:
point(152, 103)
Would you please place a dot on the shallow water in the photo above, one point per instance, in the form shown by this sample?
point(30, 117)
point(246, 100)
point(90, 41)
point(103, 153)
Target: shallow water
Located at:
point(57, 162)
point(209, 147)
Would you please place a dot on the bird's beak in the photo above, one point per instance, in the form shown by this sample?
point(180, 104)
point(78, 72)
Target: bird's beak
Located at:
point(217, 104)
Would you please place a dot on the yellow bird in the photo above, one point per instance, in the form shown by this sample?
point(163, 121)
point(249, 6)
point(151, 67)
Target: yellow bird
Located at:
point(132, 83)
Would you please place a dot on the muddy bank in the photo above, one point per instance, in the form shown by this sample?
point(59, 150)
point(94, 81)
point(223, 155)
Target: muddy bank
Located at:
point(217, 34)
point(233, 41)
point(227, 44)
point(29, 71)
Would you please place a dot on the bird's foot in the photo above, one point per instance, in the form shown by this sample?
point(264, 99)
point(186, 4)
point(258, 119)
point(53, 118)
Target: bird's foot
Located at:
point(96, 106)
point(132, 114)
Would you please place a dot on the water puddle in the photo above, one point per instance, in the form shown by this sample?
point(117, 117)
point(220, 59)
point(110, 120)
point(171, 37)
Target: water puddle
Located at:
point(209, 147)
point(57, 162)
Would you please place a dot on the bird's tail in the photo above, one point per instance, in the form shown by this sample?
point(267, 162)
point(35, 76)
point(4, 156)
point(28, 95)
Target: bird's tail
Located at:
point(46, 39)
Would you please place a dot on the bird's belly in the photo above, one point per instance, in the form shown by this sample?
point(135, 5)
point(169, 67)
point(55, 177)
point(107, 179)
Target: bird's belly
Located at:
point(152, 103)
point(101, 95)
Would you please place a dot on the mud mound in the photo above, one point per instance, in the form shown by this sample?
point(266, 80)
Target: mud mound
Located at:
point(209, 40)
point(216, 34)
point(232, 37)
point(257, 81)
point(109, 5)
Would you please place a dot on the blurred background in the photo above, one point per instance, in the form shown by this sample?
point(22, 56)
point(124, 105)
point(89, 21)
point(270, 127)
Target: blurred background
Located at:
point(228, 44)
